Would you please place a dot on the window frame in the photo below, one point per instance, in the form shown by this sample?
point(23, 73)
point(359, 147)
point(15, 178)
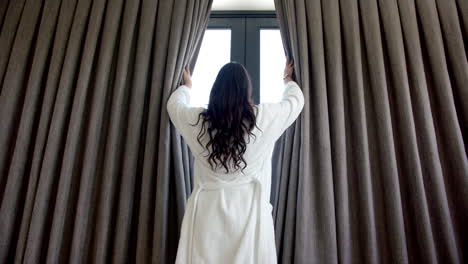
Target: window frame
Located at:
point(245, 30)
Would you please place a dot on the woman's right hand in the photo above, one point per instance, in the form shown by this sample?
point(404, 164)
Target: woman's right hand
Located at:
point(288, 70)
point(187, 78)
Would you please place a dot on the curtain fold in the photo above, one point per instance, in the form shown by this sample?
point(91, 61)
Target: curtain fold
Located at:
point(383, 170)
point(92, 170)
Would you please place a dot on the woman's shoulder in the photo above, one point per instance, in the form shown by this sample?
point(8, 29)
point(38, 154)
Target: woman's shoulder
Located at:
point(268, 108)
point(266, 112)
point(194, 113)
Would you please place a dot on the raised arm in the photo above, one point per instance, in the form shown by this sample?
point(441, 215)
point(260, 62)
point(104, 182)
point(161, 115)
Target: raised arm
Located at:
point(285, 112)
point(277, 117)
point(178, 105)
point(291, 105)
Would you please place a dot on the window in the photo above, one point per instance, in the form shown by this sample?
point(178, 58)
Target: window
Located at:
point(272, 61)
point(252, 39)
point(215, 51)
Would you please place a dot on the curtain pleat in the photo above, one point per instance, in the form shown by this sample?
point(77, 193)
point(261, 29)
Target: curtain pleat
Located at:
point(42, 103)
point(457, 62)
point(3, 8)
point(91, 167)
point(383, 174)
point(130, 71)
point(10, 19)
point(16, 46)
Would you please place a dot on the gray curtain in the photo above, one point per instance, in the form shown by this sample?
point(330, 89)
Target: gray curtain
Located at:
point(379, 171)
point(91, 167)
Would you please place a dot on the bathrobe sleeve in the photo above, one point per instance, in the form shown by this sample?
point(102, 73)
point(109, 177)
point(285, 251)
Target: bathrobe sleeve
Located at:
point(180, 113)
point(285, 112)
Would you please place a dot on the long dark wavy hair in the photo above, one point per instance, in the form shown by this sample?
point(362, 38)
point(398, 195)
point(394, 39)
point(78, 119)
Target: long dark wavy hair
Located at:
point(229, 117)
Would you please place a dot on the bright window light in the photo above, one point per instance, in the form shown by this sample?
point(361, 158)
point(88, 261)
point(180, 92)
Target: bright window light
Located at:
point(272, 62)
point(215, 51)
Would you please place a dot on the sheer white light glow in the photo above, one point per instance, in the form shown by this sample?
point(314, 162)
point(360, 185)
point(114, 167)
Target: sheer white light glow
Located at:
point(215, 51)
point(272, 62)
point(243, 5)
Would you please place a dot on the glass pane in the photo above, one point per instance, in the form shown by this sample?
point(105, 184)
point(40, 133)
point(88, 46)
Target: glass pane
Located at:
point(272, 61)
point(215, 51)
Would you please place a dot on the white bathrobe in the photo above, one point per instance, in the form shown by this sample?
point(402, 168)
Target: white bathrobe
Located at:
point(228, 218)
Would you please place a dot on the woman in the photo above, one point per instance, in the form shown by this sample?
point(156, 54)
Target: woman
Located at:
point(228, 218)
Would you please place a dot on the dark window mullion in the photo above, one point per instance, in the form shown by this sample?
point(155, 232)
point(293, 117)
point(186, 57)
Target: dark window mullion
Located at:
point(252, 62)
point(238, 47)
point(245, 40)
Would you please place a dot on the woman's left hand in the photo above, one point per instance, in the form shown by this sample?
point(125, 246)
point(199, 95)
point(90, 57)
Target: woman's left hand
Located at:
point(187, 78)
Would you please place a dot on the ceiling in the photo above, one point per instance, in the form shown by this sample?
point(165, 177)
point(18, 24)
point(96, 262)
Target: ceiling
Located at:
point(263, 5)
